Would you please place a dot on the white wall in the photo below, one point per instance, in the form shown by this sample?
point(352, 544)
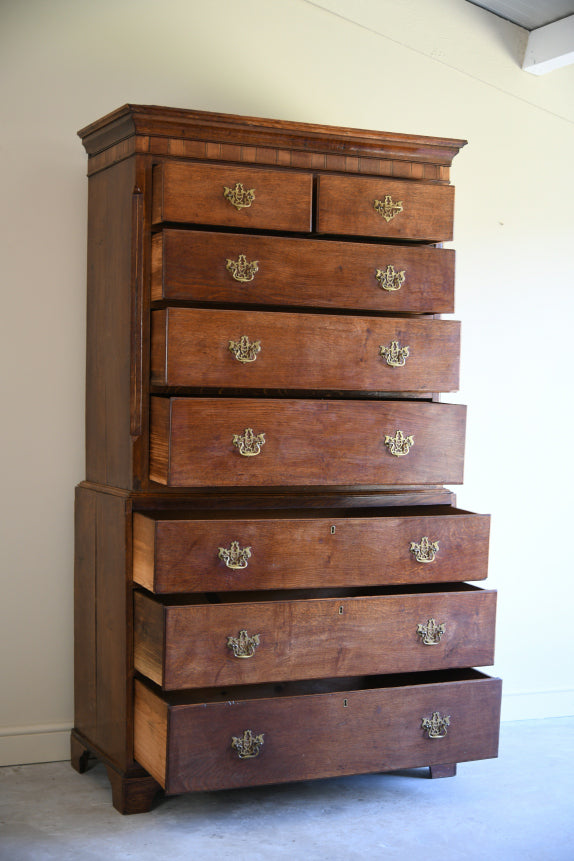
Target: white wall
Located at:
point(443, 68)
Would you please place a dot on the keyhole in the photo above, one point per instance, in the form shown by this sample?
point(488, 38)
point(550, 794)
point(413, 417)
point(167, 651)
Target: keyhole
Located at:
point(340, 611)
point(333, 529)
point(345, 703)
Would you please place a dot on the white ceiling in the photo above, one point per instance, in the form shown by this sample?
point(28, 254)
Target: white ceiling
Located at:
point(529, 14)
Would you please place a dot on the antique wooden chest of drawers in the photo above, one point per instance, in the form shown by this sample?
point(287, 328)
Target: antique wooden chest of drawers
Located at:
point(267, 559)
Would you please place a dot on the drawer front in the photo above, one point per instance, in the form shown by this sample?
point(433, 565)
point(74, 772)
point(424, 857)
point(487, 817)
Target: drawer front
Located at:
point(214, 267)
point(198, 442)
point(191, 747)
point(253, 349)
point(233, 196)
point(389, 208)
point(172, 555)
point(200, 645)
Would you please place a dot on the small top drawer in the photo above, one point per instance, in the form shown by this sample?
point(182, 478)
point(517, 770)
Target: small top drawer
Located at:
point(387, 208)
point(230, 195)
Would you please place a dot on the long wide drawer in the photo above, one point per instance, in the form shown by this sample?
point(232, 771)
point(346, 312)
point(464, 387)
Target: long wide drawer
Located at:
point(265, 442)
point(229, 195)
point(199, 644)
point(271, 552)
point(388, 208)
point(253, 349)
point(273, 270)
point(246, 737)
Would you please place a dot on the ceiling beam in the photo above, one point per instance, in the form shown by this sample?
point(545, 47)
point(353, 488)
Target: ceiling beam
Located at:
point(550, 47)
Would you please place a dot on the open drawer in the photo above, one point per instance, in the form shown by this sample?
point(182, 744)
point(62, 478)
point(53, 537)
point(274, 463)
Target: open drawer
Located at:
point(277, 733)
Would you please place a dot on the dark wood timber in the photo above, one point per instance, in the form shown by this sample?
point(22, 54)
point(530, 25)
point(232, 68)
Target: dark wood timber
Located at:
point(111, 363)
point(306, 442)
point(193, 347)
point(189, 265)
point(182, 555)
point(194, 193)
point(132, 794)
point(427, 210)
point(332, 561)
point(322, 734)
point(103, 658)
point(187, 646)
point(79, 754)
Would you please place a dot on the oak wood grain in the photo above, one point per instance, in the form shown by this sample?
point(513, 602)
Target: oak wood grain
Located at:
point(193, 193)
point(182, 554)
point(192, 347)
point(307, 442)
point(192, 265)
point(345, 206)
point(312, 637)
point(328, 734)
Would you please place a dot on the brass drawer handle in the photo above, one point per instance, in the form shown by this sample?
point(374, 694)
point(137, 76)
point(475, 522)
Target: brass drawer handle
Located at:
point(389, 279)
point(239, 197)
point(235, 557)
point(242, 269)
point(399, 445)
point(394, 355)
point(245, 351)
point(248, 443)
point(426, 551)
point(248, 745)
point(431, 633)
point(387, 208)
point(243, 646)
point(436, 726)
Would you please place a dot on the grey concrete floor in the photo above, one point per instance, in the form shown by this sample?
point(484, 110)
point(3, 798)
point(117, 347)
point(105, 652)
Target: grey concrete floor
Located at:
point(520, 806)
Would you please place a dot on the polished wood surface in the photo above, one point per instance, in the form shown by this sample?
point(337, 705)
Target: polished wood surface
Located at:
point(192, 266)
point(325, 734)
point(345, 206)
point(102, 630)
point(192, 347)
point(182, 554)
point(307, 442)
point(187, 646)
point(193, 193)
point(327, 511)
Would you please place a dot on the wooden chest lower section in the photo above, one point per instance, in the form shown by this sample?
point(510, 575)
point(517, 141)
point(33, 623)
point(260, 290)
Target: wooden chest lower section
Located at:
point(270, 442)
point(247, 737)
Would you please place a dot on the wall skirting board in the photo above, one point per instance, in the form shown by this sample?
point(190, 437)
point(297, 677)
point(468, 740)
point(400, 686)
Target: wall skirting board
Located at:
point(37, 743)
point(51, 742)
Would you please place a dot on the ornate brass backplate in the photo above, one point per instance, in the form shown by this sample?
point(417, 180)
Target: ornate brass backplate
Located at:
point(394, 355)
point(389, 279)
point(245, 351)
point(242, 269)
point(239, 197)
point(399, 445)
point(248, 745)
point(436, 726)
point(235, 557)
point(431, 633)
point(387, 208)
point(425, 551)
point(248, 443)
point(243, 646)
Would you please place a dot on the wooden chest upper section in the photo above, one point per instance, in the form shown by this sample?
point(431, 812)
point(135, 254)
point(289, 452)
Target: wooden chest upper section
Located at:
point(229, 213)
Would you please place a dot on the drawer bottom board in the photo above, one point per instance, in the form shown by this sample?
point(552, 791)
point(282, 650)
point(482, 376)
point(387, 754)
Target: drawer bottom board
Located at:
point(285, 734)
